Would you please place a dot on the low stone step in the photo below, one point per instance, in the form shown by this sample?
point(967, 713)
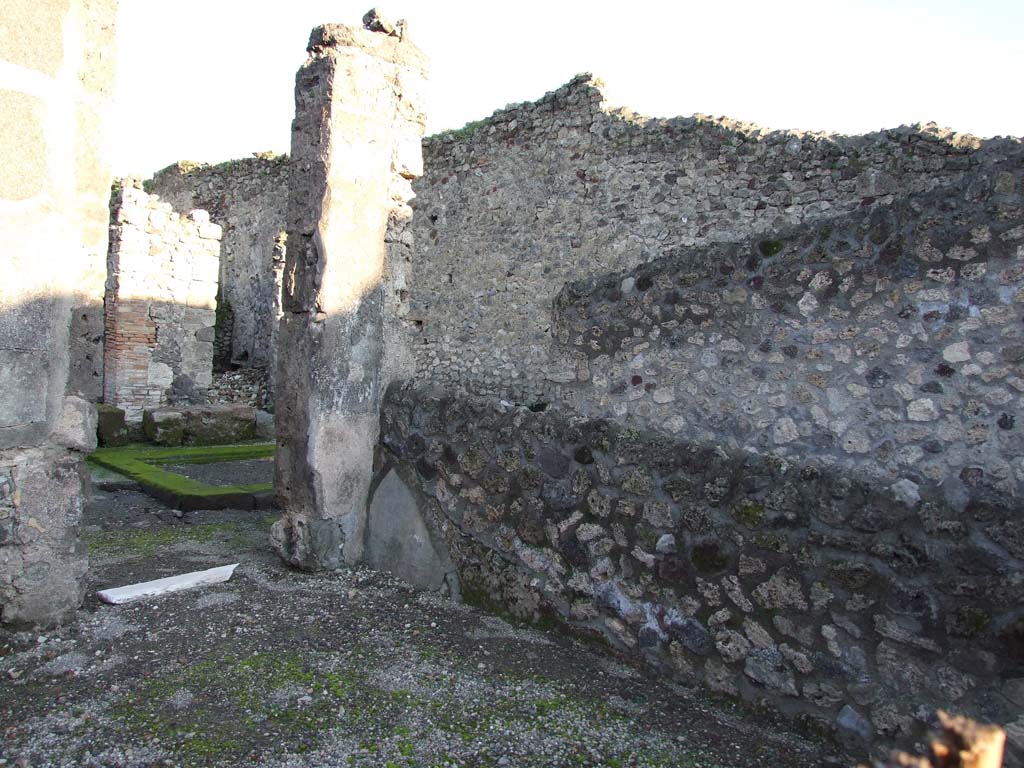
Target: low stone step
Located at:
point(200, 424)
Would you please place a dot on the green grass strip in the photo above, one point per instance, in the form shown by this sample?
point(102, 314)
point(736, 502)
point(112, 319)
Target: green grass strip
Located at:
point(137, 462)
point(203, 454)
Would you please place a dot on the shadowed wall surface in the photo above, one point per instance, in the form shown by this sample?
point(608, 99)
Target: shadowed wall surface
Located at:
point(248, 199)
point(54, 191)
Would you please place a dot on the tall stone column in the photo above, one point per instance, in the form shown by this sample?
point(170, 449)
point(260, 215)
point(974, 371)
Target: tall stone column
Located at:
point(356, 136)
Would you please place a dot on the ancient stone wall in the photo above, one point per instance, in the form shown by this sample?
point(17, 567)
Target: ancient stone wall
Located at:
point(566, 188)
point(777, 382)
point(558, 190)
point(888, 342)
point(777, 579)
point(782, 456)
point(355, 146)
point(58, 58)
point(160, 303)
point(248, 199)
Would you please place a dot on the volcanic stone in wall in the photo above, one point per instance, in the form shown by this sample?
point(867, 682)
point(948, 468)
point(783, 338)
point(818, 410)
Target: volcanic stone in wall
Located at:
point(784, 581)
point(568, 187)
point(887, 341)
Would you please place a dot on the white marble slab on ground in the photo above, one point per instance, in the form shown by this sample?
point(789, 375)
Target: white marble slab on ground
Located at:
point(156, 587)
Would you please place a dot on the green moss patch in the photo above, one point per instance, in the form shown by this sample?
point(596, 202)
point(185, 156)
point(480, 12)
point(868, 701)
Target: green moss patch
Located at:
point(749, 513)
point(851, 575)
point(234, 705)
point(460, 134)
point(147, 542)
point(236, 709)
point(140, 463)
point(970, 622)
point(708, 558)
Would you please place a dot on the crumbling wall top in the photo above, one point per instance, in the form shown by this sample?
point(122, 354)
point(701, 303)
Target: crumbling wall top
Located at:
point(381, 38)
point(586, 94)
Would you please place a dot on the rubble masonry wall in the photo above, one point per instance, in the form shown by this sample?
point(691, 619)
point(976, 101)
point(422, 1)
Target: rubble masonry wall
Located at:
point(248, 199)
point(781, 455)
point(777, 379)
point(160, 303)
point(566, 188)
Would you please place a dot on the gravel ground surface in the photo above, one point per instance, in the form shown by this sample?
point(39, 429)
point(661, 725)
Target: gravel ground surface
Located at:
point(227, 472)
point(352, 668)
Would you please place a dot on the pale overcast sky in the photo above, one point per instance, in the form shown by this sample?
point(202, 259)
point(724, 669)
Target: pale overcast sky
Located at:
point(212, 80)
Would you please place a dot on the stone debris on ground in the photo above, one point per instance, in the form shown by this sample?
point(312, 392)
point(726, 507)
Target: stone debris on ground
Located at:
point(959, 743)
point(247, 386)
point(350, 668)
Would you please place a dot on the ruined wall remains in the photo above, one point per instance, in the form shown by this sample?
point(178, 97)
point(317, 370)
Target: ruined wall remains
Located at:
point(783, 581)
point(562, 189)
point(160, 302)
point(58, 62)
point(248, 199)
point(565, 188)
point(784, 372)
point(774, 389)
point(887, 342)
point(355, 146)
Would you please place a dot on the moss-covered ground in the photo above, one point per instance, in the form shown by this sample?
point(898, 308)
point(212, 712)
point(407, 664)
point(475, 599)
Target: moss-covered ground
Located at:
point(145, 542)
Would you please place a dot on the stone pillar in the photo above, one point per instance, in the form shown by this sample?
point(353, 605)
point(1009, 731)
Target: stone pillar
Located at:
point(58, 58)
point(355, 147)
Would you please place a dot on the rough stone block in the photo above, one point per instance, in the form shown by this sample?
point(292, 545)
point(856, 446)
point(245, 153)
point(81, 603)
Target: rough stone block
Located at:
point(200, 424)
point(219, 424)
point(85, 375)
point(205, 268)
point(160, 374)
point(76, 426)
point(24, 380)
point(164, 426)
point(265, 425)
point(25, 323)
point(42, 577)
point(308, 543)
point(111, 429)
